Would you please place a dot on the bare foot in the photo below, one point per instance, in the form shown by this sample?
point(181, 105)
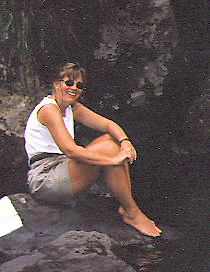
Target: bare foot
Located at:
point(140, 221)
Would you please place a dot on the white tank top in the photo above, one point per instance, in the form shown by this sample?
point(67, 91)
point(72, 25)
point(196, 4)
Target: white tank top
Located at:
point(37, 136)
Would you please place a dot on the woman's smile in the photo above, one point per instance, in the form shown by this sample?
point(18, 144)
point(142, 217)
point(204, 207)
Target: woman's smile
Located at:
point(70, 92)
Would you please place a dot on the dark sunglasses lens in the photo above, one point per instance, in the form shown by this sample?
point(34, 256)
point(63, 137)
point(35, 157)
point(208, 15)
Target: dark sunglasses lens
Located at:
point(82, 85)
point(69, 82)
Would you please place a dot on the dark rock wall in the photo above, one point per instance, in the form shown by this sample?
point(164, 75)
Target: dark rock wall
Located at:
point(189, 72)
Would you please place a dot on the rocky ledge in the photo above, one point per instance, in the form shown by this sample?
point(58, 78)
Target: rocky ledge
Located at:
point(82, 237)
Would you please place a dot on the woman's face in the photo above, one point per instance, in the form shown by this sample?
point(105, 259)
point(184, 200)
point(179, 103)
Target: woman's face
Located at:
point(70, 93)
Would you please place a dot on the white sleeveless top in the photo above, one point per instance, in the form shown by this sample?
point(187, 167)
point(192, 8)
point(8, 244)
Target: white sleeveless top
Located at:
point(37, 136)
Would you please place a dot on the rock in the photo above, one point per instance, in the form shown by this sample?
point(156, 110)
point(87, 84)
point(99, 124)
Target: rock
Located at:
point(14, 111)
point(72, 251)
point(133, 33)
point(195, 131)
point(43, 223)
point(197, 123)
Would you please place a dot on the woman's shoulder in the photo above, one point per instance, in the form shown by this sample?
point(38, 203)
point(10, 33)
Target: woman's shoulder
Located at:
point(45, 101)
point(48, 100)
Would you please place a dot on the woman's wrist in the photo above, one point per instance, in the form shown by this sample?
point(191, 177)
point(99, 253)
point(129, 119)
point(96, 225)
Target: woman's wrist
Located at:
point(124, 139)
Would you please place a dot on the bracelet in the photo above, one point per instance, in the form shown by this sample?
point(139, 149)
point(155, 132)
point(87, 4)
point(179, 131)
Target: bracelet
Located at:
point(125, 139)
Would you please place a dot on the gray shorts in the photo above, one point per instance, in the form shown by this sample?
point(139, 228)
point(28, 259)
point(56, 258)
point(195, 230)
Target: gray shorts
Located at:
point(49, 179)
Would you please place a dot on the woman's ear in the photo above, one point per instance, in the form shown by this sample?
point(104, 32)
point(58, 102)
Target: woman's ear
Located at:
point(55, 85)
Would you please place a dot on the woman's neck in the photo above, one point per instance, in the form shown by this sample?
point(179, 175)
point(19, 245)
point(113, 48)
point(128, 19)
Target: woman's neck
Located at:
point(62, 107)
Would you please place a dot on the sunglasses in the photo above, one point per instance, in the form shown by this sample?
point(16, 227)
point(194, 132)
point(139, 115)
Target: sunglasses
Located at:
point(79, 85)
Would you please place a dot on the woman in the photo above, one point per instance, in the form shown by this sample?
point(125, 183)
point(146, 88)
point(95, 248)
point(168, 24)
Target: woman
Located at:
point(61, 169)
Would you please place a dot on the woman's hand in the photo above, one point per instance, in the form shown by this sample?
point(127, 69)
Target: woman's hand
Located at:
point(128, 145)
point(121, 156)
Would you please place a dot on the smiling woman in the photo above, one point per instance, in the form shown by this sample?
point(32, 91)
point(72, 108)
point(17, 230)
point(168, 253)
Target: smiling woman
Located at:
point(60, 169)
point(72, 81)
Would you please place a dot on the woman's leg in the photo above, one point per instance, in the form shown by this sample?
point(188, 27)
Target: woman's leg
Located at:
point(121, 210)
point(118, 181)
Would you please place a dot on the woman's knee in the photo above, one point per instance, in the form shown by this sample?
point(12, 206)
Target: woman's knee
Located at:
point(104, 144)
point(102, 138)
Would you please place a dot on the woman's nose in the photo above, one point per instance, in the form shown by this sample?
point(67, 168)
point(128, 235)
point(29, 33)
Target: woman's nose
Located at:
point(74, 87)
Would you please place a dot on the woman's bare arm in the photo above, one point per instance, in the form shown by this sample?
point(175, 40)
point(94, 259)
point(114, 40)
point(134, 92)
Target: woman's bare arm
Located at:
point(50, 116)
point(95, 121)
